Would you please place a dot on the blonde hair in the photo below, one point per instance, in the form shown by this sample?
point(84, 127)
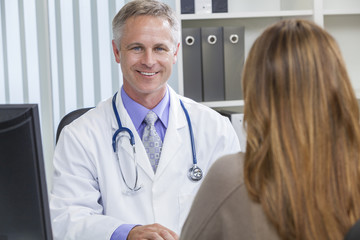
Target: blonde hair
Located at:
point(303, 137)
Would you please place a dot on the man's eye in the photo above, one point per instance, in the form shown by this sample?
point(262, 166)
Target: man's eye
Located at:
point(160, 49)
point(137, 49)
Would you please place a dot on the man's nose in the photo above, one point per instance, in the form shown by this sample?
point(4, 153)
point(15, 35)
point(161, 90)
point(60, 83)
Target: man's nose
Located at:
point(149, 58)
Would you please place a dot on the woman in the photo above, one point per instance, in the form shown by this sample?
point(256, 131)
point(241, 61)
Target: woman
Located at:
point(299, 177)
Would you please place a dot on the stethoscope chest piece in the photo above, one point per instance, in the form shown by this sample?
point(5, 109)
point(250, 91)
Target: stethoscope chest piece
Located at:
point(195, 173)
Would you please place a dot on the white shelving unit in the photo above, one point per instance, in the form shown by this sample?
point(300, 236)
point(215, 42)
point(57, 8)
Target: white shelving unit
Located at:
point(342, 20)
point(340, 17)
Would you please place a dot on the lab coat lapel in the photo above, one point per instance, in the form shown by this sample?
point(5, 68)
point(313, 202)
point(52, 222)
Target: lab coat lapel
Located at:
point(173, 138)
point(123, 143)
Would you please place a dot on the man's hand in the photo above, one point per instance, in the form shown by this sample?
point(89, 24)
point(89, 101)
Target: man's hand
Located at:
point(152, 232)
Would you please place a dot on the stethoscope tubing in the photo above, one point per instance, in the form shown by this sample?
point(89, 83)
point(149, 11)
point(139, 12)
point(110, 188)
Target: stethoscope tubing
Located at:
point(194, 174)
point(120, 127)
point(132, 142)
point(191, 133)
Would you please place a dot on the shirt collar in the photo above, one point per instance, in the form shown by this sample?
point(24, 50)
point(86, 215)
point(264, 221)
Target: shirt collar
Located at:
point(137, 112)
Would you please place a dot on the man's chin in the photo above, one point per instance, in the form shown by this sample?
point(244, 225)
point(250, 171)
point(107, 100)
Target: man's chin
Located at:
point(152, 88)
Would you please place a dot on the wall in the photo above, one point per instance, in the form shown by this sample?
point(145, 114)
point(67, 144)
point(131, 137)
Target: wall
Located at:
point(58, 53)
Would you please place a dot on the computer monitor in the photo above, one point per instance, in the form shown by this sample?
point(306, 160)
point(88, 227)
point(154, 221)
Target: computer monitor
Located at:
point(24, 207)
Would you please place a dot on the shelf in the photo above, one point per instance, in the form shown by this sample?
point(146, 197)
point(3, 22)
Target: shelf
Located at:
point(229, 103)
point(341, 12)
point(340, 18)
point(246, 15)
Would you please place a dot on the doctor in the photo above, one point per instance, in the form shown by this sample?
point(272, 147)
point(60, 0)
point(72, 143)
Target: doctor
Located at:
point(109, 183)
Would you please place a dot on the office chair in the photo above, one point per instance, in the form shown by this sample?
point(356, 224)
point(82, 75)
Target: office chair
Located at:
point(354, 232)
point(68, 118)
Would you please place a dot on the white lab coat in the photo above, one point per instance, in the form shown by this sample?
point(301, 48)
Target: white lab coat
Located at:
point(87, 199)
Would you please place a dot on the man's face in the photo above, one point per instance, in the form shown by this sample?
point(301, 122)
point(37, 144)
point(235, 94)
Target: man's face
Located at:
point(147, 54)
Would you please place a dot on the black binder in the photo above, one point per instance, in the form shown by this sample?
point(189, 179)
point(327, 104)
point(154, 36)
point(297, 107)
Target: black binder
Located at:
point(234, 56)
point(187, 6)
point(191, 40)
point(213, 63)
point(219, 6)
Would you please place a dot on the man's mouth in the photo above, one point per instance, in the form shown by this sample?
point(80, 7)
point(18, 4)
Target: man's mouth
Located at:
point(148, 73)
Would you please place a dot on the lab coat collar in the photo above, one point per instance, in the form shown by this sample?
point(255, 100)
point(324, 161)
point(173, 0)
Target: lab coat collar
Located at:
point(173, 139)
point(123, 142)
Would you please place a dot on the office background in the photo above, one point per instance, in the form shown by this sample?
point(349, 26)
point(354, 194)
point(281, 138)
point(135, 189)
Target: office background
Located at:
point(58, 53)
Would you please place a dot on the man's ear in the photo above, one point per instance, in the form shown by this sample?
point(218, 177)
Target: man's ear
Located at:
point(116, 51)
point(176, 53)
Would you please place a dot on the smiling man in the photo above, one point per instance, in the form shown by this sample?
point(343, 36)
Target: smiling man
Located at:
point(107, 187)
point(146, 52)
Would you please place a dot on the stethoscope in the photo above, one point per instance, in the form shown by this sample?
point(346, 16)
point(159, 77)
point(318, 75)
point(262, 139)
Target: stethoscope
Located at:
point(194, 174)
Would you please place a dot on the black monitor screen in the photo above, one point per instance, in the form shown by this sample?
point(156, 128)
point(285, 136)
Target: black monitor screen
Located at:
point(24, 208)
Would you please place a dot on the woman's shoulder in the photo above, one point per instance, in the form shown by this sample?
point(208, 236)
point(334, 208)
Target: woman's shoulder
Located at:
point(227, 170)
point(224, 179)
point(222, 208)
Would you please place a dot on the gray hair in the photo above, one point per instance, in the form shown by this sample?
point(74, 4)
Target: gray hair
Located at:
point(145, 8)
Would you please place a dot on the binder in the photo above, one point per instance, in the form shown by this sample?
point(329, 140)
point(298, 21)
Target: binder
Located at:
point(219, 6)
point(187, 6)
point(191, 40)
point(237, 120)
point(213, 63)
point(234, 57)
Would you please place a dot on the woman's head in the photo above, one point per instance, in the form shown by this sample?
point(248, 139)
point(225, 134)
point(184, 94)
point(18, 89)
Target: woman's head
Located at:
point(294, 72)
point(303, 137)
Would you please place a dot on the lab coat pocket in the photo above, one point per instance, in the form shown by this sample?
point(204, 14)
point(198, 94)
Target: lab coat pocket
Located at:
point(185, 201)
